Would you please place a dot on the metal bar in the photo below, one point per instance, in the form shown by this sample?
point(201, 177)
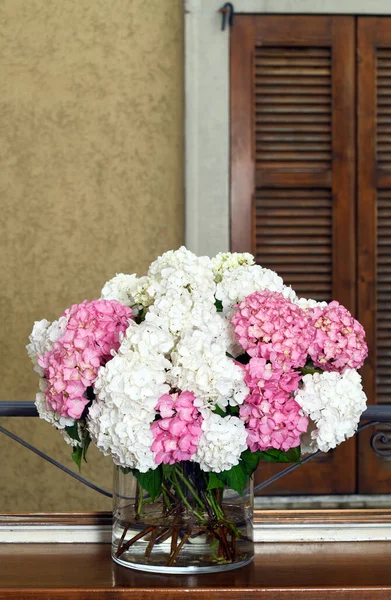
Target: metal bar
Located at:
point(16, 438)
point(16, 408)
point(26, 408)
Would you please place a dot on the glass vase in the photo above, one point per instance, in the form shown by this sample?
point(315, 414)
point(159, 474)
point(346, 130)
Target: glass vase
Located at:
point(187, 528)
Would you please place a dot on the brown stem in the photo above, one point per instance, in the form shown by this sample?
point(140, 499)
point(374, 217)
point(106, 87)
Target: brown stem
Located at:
point(125, 531)
point(174, 539)
point(174, 556)
point(221, 537)
point(136, 503)
point(165, 534)
point(152, 542)
point(134, 539)
point(169, 493)
point(207, 506)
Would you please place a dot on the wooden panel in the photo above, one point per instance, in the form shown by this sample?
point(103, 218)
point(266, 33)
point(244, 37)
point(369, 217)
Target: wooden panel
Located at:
point(294, 237)
point(242, 133)
point(383, 298)
point(292, 87)
point(383, 227)
point(293, 175)
point(374, 230)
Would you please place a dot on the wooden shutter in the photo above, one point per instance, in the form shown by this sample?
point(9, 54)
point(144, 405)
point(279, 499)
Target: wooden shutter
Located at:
point(293, 174)
point(374, 229)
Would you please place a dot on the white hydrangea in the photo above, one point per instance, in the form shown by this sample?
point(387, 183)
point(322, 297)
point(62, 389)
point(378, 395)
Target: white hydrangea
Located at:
point(308, 303)
point(221, 443)
point(42, 339)
point(182, 269)
point(127, 390)
point(133, 383)
point(129, 290)
point(200, 365)
point(52, 417)
point(243, 281)
point(147, 338)
point(228, 261)
point(334, 403)
point(121, 435)
point(179, 310)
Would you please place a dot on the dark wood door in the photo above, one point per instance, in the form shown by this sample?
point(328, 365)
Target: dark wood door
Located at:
point(308, 187)
point(374, 230)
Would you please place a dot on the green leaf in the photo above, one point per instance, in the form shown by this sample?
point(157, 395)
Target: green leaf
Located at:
point(236, 478)
point(86, 443)
point(272, 455)
point(250, 461)
point(214, 481)
point(218, 305)
point(219, 411)
point(168, 470)
point(151, 481)
point(73, 432)
point(77, 456)
point(140, 317)
point(293, 455)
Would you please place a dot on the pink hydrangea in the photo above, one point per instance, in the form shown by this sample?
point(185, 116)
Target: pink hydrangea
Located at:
point(339, 339)
point(91, 334)
point(268, 325)
point(176, 434)
point(101, 321)
point(272, 416)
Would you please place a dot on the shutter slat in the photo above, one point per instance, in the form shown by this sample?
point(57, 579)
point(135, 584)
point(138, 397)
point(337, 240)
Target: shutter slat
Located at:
point(383, 283)
point(287, 81)
point(293, 86)
point(383, 104)
point(288, 231)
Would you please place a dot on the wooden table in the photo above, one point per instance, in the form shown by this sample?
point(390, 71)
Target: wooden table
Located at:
point(306, 571)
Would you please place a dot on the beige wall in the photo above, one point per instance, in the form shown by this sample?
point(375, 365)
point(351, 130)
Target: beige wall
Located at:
point(91, 183)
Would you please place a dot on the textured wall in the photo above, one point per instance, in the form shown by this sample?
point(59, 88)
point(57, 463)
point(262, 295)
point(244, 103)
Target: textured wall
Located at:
point(91, 183)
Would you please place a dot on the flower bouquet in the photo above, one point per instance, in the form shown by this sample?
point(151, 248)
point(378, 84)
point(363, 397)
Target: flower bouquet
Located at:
point(187, 378)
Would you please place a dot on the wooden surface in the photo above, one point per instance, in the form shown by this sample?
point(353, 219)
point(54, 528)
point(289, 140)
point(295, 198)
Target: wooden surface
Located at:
point(358, 571)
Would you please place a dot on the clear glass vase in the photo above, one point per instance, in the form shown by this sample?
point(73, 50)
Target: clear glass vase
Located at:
point(188, 528)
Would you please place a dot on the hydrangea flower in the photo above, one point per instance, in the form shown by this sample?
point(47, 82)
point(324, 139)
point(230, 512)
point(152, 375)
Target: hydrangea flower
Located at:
point(147, 339)
point(133, 384)
point(200, 365)
point(123, 436)
point(273, 418)
point(339, 339)
point(228, 261)
point(92, 333)
point(176, 433)
point(158, 384)
point(334, 403)
point(129, 290)
point(268, 325)
point(99, 322)
point(42, 339)
point(221, 443)
point(239, 283)
point(309, 303)
point(127, 390)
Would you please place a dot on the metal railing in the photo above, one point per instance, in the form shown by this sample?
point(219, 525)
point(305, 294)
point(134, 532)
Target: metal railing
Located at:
point(371, 417)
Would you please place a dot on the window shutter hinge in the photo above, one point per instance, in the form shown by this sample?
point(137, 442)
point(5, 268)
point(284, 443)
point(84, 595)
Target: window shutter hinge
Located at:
point(227, 15)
